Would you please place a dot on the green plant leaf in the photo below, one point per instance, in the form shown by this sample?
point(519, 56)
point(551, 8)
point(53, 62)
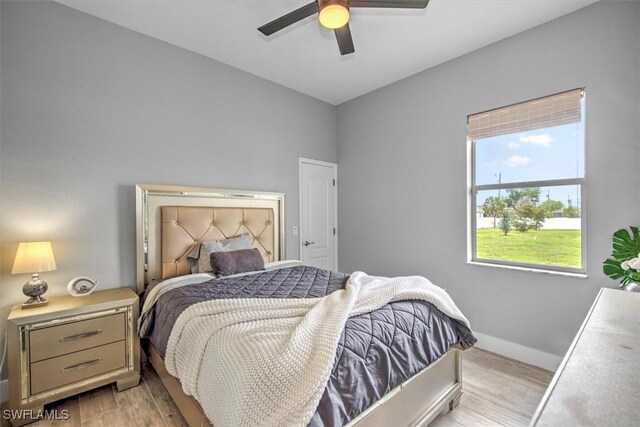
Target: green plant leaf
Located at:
point(634, 276)
point(624, 246)
point(612, 269)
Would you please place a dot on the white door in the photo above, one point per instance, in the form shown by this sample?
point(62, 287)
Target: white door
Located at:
point(318, 214)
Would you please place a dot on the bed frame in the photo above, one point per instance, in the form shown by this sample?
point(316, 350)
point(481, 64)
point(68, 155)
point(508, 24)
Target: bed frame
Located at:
point(171, 221)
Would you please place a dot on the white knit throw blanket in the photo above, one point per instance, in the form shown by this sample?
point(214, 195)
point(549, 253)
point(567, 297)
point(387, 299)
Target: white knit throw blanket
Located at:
point(266, 362)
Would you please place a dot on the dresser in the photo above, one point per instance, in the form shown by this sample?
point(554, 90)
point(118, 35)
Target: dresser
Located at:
point(70, 346)
point(598, 382)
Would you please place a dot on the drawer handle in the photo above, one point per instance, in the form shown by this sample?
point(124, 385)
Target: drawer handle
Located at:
point(80, 366)
point(79, 336)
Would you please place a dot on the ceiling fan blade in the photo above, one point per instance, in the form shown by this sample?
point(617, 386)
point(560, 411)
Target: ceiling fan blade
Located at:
point(345, 42)
point(399, 4)
point(289, 19)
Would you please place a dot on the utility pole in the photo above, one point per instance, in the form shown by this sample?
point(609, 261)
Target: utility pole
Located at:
point(499, 176)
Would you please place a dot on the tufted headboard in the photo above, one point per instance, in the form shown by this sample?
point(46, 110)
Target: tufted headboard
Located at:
point(171, 220)
point(185, 227)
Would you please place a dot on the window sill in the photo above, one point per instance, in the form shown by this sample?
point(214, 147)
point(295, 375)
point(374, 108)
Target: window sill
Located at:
point(529, 269)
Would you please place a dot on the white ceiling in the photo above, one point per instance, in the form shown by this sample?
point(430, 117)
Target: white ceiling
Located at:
point(390, 44)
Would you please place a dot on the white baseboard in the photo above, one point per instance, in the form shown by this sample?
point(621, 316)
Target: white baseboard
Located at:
point(518, 352)
point(4, 390)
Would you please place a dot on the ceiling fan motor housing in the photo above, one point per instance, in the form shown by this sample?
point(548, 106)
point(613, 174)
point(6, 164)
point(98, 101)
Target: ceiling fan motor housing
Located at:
point(333, 14)
point(323, 3)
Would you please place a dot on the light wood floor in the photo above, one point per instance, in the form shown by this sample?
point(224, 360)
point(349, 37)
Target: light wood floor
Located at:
point(497, 392)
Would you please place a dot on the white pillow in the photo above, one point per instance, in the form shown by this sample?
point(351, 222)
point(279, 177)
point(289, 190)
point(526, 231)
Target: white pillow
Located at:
point(199, 257)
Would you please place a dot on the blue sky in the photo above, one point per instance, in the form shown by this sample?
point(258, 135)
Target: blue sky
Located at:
point(550, 153)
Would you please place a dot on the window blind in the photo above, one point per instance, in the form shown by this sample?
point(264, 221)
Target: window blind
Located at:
point(554, 110)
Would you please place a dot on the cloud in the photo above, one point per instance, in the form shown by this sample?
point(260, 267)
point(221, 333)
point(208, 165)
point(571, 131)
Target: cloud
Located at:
point(543, 140)
point(513, 145)
point(515, 161)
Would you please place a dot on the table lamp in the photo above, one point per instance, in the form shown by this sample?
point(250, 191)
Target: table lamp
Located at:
point(34, 258)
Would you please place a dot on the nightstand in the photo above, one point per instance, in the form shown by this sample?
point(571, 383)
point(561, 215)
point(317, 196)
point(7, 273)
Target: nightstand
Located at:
point(72, 345)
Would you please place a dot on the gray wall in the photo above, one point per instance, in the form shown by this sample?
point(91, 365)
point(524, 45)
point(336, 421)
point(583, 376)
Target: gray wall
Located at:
point(89, 109)
point(403, 181)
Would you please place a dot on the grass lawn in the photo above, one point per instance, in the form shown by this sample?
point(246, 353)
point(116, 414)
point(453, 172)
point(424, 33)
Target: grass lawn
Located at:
point(550, 247)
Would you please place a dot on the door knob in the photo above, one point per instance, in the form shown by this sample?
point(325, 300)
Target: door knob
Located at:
point(307, 243)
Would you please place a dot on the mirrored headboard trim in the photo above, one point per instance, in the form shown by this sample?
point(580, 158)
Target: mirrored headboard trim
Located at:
point(152, 197)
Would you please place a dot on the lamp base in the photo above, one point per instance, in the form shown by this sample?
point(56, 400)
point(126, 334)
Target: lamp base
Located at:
point(34, 288)
point(35, 302)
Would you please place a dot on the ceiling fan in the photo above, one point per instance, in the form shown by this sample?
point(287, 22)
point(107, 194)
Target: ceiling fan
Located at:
point(334, 14)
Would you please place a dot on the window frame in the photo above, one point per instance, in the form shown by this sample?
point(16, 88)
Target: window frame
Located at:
point(475, 188)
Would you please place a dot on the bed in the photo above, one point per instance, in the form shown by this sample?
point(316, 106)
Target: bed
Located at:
point(418, 382)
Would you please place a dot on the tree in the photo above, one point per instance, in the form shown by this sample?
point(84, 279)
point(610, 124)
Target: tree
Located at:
point(539, 215)
point(522, 224)
point(550, 206)
point(526, 215)
point(493, 207)
point(571, 212)
point(505, 221)
point(526, 195)
point(529, 217)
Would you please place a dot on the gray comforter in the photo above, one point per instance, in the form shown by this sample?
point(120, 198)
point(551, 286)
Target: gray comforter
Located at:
point(377, 351)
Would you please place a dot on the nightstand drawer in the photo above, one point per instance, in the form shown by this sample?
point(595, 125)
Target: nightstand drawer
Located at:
point(63, 339)
point(78, 366)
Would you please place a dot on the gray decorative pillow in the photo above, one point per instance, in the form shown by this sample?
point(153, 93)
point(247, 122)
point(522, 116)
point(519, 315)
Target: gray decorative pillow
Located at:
point(199, 258)
point(234, 262)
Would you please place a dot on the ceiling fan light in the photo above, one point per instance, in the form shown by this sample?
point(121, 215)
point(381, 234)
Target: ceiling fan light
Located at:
point(334, 14)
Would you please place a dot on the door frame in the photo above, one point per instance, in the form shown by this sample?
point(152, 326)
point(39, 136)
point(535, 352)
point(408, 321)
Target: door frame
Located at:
point(334, 166)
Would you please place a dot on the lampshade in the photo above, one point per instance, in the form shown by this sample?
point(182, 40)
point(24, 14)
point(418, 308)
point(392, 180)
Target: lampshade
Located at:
point(334, 14)
point(34, 257)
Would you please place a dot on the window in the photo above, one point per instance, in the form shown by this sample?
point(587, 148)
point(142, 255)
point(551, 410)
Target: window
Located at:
point(528, 186)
